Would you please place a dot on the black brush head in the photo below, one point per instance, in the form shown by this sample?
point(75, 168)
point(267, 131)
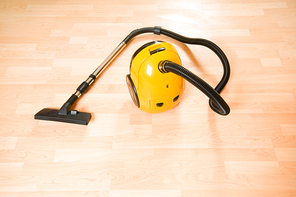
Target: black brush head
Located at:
point(72, 117)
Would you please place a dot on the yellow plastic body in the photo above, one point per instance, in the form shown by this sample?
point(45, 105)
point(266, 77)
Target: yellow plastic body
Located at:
point(157, 91)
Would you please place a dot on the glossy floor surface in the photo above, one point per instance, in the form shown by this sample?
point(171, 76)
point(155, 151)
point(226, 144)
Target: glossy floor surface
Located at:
point(47, 48)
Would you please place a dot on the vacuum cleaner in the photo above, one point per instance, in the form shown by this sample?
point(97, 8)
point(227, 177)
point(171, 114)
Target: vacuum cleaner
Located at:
point(155, 81)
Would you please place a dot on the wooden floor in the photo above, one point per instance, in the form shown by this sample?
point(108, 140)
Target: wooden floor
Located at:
point(47, 48)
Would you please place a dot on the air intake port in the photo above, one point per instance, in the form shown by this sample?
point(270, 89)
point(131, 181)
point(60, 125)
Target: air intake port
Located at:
point(176, 98)
point(159, 104)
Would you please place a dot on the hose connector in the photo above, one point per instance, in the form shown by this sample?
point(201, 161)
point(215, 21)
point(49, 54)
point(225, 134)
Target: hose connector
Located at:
point(161, 66)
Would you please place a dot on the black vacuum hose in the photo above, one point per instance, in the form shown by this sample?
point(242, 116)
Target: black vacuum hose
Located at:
point(196, 41)
point(214, 48)
point(220, 106)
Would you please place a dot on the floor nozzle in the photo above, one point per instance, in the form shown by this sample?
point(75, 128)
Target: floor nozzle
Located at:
point(72, 117)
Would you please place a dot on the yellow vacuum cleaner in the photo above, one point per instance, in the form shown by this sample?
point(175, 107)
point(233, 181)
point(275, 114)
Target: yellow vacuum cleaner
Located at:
point(156, 78)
